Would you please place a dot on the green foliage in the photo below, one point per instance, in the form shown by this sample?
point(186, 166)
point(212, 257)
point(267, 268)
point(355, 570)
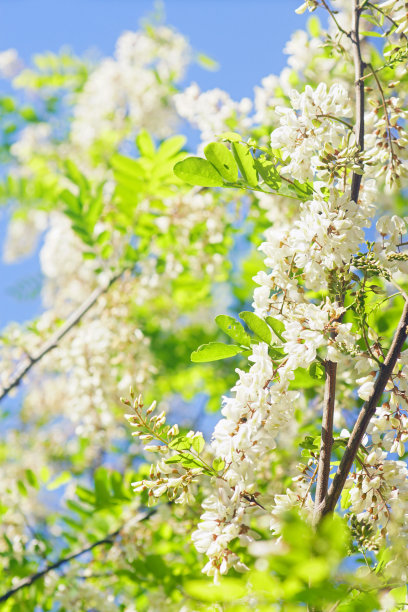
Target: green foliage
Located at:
point(214, 351)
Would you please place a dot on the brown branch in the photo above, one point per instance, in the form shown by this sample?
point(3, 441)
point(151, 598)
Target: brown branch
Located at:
point(330, 366)
point(359, 91)
point(25, 366)
point(367, 412)
point(327, 433)
point(109, 539)
point(31, 579)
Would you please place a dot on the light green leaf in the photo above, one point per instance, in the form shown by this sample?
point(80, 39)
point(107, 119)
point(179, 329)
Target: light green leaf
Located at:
point(215, 351)
point(198, 171)
point(229, 589)
point(373, 34)
point(316, 370)
point(218, 464)
point(303, 380)
point(198, 444)
point(180, 443)
point(313, 26)
point(221, 157)
point(245, 163)
point(277, 326)
point(171, 146)
point(101, 483)
point(207, 62)
point(31, 478)
point(62, 479)
point(145, 144)
point(258, 325)
point(230, 136)
point(233, 328)
point(399, 594)
point(277, 353)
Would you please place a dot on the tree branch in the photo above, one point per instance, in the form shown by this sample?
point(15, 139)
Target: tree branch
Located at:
point(367, 412)
point(330, 366)
point(109, 539)
point(26, 365)
point(327, 433)
point(31, 579)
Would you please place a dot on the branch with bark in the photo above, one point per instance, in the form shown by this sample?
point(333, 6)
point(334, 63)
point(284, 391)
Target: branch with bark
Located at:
point(25, 366)
point(108, 539)
point(330, 366)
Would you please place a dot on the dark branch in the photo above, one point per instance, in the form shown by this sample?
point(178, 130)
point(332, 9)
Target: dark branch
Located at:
point(327, 433)
point(31, 579)
point(26, 365)
point(109, 539)
point(367, 412)
point(331, 367)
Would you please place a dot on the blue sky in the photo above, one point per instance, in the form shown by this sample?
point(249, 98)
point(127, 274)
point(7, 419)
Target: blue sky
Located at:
point(246, 37)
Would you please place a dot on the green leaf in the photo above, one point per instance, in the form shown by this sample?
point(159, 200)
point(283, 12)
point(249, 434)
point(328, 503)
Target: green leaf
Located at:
point(230, 136)
point(277, 353)
point(221, 157)
point(198, 444)
point(233, 329)
point(198, 171)
point(173, 459)
point(171, 146)
point(266, 168)
point(277, 326)
point(372, 34)
point(207, 62)
point(101, 482)
point(180, 443)
point(218, 464)
point(31, 478)
point(245, 163)
point(313, 26)
point(258, 326)
point(399, 594)
point(345, 499)
point(303, 380)
point(145, 144)
point(189, 461)
point(229, 589)
point(316, 370)
point(214, 351)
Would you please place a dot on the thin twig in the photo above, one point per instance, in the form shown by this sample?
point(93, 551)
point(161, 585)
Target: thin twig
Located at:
point(26, 365)
point(31, 579)
point(109, 539)
point(331, 367)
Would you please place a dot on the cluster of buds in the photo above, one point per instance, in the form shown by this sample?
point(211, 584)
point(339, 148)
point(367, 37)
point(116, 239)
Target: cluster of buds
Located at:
point(335, 162)
point(368, 263)
point(180, 464)
point(364, 534)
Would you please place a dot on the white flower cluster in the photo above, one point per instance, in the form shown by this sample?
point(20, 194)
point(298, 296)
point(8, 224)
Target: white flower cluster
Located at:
point(131, 90)
point(397, 10)
point(10, 64)
point(213, 111)
point(309, 125)
point(386, 141)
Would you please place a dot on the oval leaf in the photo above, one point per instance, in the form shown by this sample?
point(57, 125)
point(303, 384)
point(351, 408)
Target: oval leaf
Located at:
point(245, 163)
point(233, 328)
point(222, 158)
point(198, 171)
point(277, 327)
point(316, 370)
point(171, 146)
point(214, 351)
point(258, 326)
point(145, 144)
